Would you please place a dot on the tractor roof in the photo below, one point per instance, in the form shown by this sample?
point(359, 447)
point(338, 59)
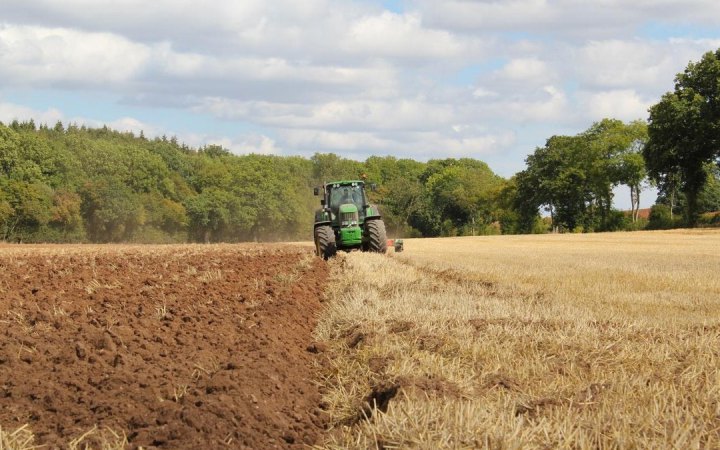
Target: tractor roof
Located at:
point(345, 182)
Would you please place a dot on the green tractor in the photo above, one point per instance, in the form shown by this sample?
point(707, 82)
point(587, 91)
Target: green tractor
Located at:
point(347, 221)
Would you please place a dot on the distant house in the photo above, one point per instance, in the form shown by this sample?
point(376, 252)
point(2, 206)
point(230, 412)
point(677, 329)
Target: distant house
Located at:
point(644, 213)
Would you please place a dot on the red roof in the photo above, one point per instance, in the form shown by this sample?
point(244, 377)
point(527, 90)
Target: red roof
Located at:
point(643, 213)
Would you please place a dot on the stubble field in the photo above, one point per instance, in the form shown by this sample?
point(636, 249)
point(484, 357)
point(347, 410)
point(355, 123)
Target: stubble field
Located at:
point(554, 341)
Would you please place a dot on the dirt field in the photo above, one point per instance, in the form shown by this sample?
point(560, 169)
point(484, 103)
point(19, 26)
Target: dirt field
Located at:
point(168, 346)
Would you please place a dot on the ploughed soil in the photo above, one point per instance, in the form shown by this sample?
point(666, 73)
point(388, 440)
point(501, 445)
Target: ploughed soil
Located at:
point(187, 346)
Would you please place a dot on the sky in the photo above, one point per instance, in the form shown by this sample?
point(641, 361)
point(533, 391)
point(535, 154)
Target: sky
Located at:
point(419, 79)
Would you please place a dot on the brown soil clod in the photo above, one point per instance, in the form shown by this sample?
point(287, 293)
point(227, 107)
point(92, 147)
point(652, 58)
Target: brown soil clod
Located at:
point(499, 380)
point(431, 386)
point(534, 407)
point(380, 396)
point(400, 326)
point(377, 400)
point(317, 347)
point(357, 338)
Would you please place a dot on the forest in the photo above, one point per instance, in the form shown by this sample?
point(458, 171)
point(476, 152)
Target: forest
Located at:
point(70, 183)
point(77, 184)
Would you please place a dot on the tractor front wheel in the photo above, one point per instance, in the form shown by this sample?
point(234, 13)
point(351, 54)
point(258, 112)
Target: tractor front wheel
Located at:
point(377, 239)
point(325, 245)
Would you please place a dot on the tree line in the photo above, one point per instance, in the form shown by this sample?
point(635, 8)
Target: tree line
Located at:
point(77, 184)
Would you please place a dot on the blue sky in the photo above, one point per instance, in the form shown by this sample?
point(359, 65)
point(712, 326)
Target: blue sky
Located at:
point(411, 78)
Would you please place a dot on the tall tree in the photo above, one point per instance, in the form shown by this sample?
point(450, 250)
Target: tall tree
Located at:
point(684, 130)
point(9, 142)
point(557, 178)
point(618, 150)
point(462, 191)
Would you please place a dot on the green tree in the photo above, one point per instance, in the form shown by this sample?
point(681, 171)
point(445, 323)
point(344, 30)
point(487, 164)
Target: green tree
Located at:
point(632, 172)
point(209, 172)
point(398, 192)
point(210, 214)
point(31, 204)
point(164, 214)
point(67, 215)
point(684, 131)
point(461, 191)
point(709, 197)
point(73, 183)
point(512, 216)
point(557, 179)
point(572, 177)
point(617, 149)
point(9, 154)
point(402, 199)
point(329, 167)
point(111, 211)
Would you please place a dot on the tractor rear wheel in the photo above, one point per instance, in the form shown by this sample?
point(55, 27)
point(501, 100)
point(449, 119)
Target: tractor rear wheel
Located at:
point(325, 245)
point(377, 239)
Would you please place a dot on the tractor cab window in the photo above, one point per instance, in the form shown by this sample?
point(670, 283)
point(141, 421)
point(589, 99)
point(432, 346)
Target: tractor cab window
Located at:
point(341, 195)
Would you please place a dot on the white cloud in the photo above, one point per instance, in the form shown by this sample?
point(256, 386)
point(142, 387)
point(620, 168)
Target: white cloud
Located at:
point(539, 105)
point(10, 112)
point(49, 57)
point(695, 45)
point(400, 36)
point(128, 124)
point(417, 145)
point(270, 69)
point(486, 14)
point(578, 19)
point(623, 104)
point(616, 63)
point(646, 66)
point(483, 93)
point(401, 114)
point(33, 54)
point(553, 105)
point(526, 69)
point(255, 143)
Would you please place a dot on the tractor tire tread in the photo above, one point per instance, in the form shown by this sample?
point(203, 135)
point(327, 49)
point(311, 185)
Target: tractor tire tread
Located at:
point(377, 238)
point(325, 245)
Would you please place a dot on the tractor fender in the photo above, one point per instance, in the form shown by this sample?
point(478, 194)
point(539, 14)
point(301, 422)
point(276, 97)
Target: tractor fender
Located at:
point(323, 216)
point(320, 224)
point(372, 212)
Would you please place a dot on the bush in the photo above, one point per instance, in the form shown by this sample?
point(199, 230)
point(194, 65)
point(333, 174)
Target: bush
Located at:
point(640, 224)
point(617, 220)
point(51, 235)
point(660, 218)
point(153, 235)
point(710, 219)
point(542, 225)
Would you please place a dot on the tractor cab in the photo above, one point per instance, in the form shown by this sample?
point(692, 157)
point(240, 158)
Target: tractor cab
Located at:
point(346, 199)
